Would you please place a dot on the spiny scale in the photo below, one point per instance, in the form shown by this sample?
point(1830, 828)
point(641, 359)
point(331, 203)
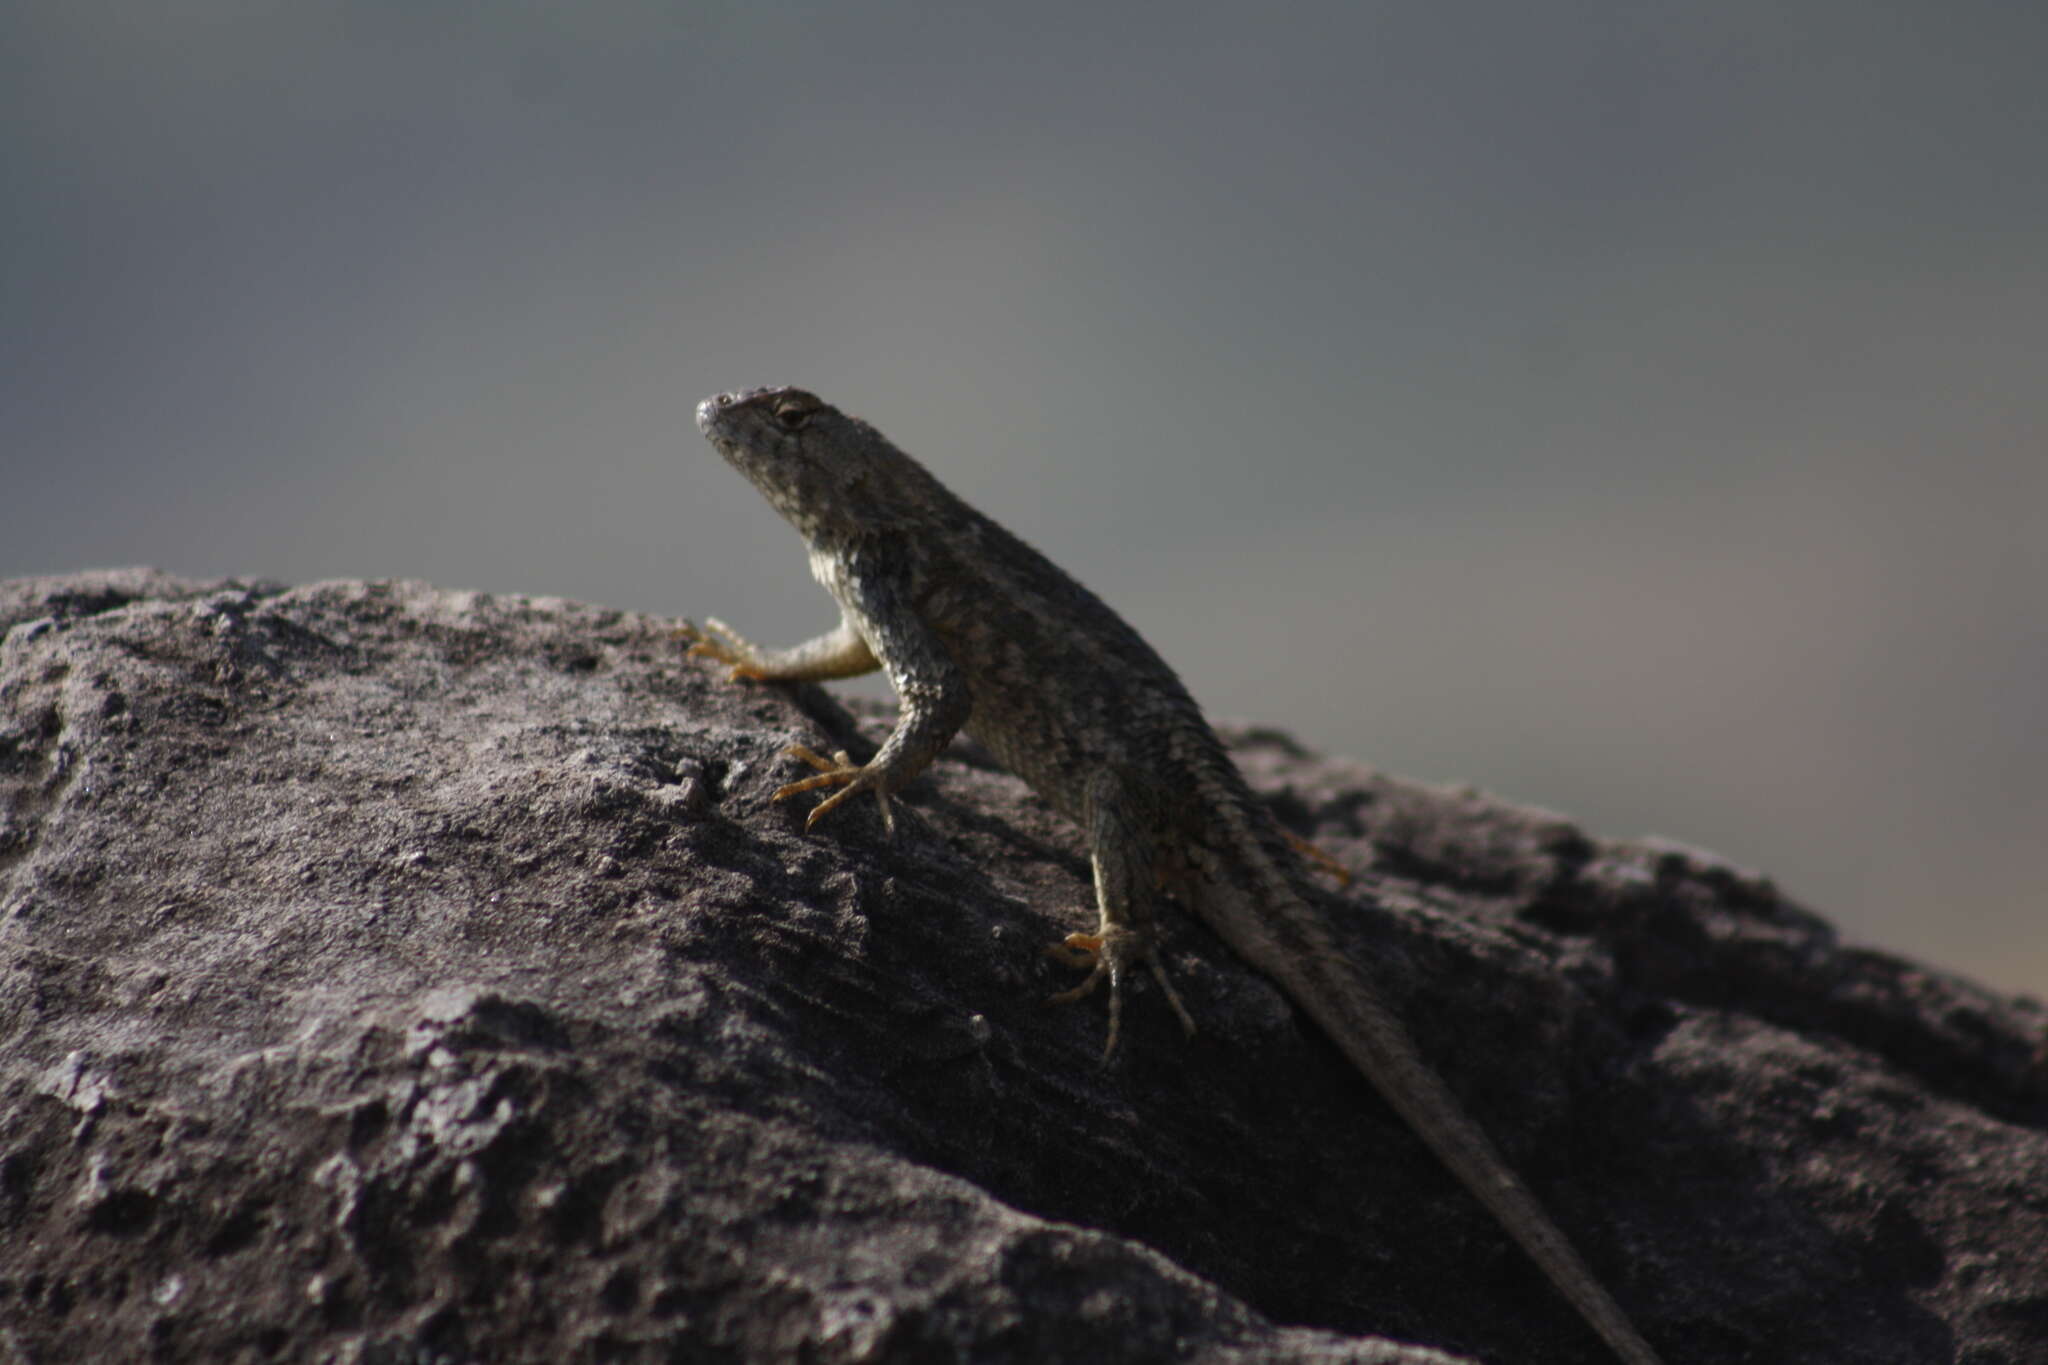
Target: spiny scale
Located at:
point(979, 631)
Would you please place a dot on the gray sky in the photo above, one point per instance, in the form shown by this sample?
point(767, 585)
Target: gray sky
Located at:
point(1633, 409)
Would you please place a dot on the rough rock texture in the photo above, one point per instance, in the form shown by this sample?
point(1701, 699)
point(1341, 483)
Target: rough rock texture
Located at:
point(389, 974)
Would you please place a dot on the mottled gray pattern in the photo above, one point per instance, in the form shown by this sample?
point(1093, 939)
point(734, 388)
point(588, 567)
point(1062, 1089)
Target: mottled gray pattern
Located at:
point(976, 629)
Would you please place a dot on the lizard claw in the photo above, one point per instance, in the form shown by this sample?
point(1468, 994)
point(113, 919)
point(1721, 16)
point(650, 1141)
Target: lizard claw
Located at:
point(1318, 857)
point(1106, 955)
point(721, 644)
point(837, 771)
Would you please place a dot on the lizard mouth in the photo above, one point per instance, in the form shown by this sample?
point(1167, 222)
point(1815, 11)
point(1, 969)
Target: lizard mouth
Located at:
point(715, 414)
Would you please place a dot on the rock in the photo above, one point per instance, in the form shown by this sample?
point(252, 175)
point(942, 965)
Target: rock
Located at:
point(391, 974)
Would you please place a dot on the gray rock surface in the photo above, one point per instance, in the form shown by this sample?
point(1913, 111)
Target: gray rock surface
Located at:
point(390, 974)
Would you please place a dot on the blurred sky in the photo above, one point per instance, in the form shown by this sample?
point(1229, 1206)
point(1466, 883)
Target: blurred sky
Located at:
point(1636, 409)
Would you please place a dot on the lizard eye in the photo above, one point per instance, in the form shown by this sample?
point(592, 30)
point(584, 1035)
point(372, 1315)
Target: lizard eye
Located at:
point(792, 416)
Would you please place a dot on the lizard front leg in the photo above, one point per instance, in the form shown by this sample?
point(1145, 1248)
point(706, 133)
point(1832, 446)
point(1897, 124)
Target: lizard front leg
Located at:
point(838, 653)
point(935, 704)
point(879, 628)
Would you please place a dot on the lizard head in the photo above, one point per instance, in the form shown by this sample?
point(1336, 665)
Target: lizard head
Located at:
point(828, 474)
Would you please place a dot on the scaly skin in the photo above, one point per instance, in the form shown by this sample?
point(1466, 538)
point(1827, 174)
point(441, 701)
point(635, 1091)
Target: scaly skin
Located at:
point(977, 630)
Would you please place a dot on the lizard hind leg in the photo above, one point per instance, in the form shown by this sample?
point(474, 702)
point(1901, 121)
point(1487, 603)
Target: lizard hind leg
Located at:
point(1106, 956)
point(1124, 891)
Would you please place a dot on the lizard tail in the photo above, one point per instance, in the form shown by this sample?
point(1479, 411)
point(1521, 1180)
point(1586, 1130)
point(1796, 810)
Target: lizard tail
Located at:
point(1337, 996)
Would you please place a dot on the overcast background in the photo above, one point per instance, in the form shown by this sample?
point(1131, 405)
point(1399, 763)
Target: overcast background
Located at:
point(1635, 409)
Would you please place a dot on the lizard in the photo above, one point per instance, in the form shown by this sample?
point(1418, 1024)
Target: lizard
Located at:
point(977, 631)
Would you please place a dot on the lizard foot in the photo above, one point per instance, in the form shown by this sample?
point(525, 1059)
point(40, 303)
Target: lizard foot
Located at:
point(1319, 858)
point(837, 771)
point(720, 643)
point(1106, 955)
